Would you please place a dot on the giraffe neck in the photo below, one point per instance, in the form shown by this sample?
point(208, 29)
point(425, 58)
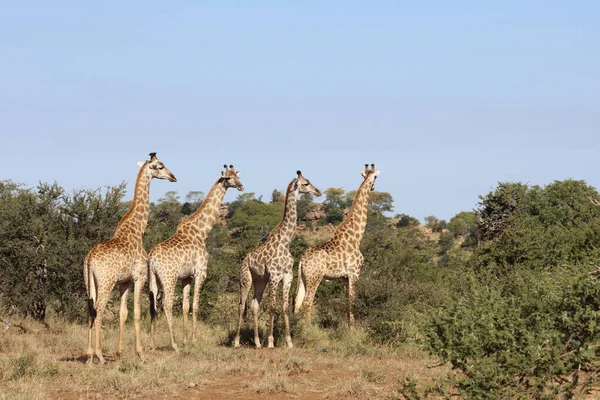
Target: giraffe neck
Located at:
point(207, 215)
point(356, 221)
point(133, 224)
point(287, 227)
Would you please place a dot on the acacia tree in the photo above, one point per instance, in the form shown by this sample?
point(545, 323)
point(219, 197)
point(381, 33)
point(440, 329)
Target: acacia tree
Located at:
point(434, 223)
point(405, 221)
point(193, 200)
point(380, 202)
point(334, 205)
point(277, 196)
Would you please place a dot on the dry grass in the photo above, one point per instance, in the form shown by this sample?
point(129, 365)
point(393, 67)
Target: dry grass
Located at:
point(49, 363)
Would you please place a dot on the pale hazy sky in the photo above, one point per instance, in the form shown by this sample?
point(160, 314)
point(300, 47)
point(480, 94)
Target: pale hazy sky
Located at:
point(446, 98)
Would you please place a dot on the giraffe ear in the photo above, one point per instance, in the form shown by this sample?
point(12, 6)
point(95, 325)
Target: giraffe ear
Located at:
point(377, 173)
point(362, 173)
point(238, 173)
point(140, 164)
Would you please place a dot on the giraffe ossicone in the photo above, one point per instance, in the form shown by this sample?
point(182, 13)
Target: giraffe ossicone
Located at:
point(183, 257)
point(122, 259)
point(272, 262)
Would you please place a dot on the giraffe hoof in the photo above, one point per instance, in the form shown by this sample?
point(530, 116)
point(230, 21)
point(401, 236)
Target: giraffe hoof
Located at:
point(258, 345)
point(101, 360)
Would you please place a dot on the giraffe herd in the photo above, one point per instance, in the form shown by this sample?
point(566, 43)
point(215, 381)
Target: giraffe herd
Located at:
point(183, 257)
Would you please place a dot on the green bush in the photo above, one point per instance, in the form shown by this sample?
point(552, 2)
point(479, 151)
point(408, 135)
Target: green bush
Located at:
point(522, 317)
point(532, 334)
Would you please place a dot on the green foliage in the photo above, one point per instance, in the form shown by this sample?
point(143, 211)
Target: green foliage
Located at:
point(165, 216)
point(446, 242)
point(434, 223)
point(334, 205)
point(334, 215)
point(398, 280)
point(45, 237)
point(538, 227)
point(522, 317)
point(253, 220)
point(304, 205)
point(277, 196)
point(380, 202)
point(465, 224)
point(193, 200)
point(241, 199)
point(519, 336)
point(334, 197)
point(498, 208)
point(406, 221)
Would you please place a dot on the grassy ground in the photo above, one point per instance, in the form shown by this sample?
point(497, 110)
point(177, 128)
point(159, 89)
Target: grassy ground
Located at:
point(50, 363)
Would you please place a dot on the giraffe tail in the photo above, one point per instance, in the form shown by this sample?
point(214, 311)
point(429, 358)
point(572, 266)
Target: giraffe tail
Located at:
point(301, 290)
point(91, 309)
point(153, 291)
point(152, 306)
point(90, 286)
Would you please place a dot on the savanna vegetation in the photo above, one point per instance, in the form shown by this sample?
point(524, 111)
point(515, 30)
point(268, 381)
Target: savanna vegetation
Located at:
point(505, 297)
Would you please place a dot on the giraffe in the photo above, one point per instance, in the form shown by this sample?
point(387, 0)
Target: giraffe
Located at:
point(184, 257)
point(340, 256)
point(271, 262)
point(122, 259)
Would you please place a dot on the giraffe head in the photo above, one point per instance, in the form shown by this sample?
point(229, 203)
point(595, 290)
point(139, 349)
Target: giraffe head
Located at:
point(157, 169)
point(370, 175)
point(231, 178)
point(304, 185)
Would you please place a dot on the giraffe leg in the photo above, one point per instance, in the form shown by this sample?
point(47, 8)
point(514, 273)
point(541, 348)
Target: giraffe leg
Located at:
point(350, 298)
point(138, 285)
point(245, 283)
point(311, 289)
point(124, 291)
point(199, 281)
point(273, 283)
point(102, 299)
point(259, 288)
point(186, 306)
point(287, 284)
point(91, 317)
point(90, 349)
point(169, 292)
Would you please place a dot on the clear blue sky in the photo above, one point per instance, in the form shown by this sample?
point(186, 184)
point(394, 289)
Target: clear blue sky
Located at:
point(446, 98)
